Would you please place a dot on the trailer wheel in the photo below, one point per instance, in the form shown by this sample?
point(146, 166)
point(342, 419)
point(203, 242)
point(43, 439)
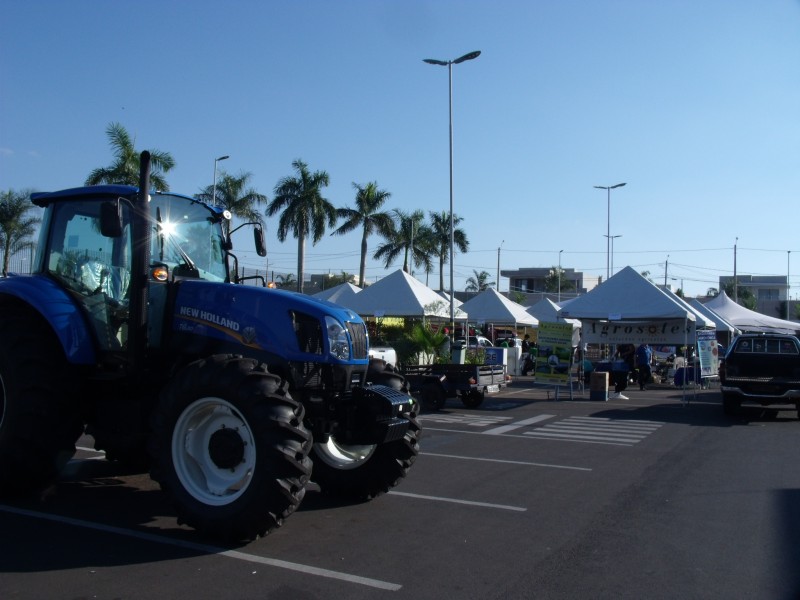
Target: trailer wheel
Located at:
point(433, 395)
point(39, 422)
point(361, 472)
point(230, 447)
point(472, 399)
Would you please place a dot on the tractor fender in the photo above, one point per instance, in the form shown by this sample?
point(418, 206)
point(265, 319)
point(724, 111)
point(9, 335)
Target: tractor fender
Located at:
point(57, 308)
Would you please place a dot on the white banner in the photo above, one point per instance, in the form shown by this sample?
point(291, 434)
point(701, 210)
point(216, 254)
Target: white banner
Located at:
point(664, 332)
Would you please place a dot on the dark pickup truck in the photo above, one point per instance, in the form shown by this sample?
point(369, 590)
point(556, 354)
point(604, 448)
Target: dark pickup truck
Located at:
point(433, 384)
point(762, 369)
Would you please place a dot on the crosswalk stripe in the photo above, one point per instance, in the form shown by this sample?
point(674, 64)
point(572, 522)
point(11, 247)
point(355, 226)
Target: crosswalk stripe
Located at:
point(597, 429)
point(517, 424)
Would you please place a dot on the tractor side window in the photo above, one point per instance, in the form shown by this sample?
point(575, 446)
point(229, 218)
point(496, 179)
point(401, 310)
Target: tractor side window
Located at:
point(94, 267)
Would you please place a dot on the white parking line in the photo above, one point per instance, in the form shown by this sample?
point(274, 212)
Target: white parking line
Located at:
point(517, 424)
point(206, 549)
point(509, 462)
point(457, 501)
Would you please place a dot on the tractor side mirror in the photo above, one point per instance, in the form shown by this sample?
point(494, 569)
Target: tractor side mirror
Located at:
point(261, 245)
point(111, 219)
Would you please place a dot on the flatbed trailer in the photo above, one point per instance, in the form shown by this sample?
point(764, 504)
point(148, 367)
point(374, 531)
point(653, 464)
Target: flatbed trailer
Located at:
point(433, 384)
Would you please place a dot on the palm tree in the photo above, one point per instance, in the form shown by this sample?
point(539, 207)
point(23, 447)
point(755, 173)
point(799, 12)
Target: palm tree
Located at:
point(16, 225)
point(286, 281)
point(552, 282)
point(440, 229)
point(234, 195)
point(125, 168)
point(479, 282)
point(305, 211)
point(368, 217)
point(410, 237)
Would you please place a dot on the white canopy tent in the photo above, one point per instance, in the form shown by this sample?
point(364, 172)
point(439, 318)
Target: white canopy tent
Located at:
point(701, 320)
point(490, 306)
point(749, 320)
point(340, 294)
point(547, 311)
point(723, 326)
point(627, 308)
point(400, 295)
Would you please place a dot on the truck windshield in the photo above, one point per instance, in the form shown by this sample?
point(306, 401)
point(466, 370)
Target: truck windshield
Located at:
point(186, 234)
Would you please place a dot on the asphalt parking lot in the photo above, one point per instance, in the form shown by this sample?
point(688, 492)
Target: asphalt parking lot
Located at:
point(521, 497)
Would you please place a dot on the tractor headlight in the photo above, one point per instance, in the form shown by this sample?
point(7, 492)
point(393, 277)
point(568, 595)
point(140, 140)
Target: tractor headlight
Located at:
point(338, 341)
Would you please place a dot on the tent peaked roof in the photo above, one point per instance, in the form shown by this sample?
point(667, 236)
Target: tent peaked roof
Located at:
point(400, 295)
point(546, 310)
point(721, 323)
point(626, 296)
point(492, 307)
point(701, 319)
point(339, 294)
point(746, 319)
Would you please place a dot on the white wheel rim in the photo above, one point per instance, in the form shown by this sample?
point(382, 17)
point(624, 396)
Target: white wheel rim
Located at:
point(340, 456)
point(191, 452)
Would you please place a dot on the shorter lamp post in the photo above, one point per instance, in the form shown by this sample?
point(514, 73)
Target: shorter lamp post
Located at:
point(497, 285)
point(612, 238)
point(214, 187)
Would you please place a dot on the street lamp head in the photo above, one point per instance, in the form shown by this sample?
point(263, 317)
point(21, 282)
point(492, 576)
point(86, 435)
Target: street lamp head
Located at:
point(469, 56)
point(460, 59)
point(618, 185)
point(222, 157)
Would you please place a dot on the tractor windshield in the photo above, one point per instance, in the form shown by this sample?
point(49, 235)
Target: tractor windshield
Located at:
point(187, 236)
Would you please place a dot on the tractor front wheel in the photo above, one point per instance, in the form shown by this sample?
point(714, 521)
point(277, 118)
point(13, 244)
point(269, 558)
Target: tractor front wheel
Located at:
point(361, 472)
point(230, 448)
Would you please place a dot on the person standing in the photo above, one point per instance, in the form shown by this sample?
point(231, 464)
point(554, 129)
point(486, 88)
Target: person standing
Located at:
point(644, 358)
point(622, 367)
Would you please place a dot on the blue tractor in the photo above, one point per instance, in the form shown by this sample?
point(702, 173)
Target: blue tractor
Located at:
point(132, 328)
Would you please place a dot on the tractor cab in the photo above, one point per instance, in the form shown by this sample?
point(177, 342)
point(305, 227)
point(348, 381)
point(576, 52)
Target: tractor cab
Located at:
point(88, 247)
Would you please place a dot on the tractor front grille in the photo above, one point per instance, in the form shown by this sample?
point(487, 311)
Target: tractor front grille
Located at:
point(358, 333)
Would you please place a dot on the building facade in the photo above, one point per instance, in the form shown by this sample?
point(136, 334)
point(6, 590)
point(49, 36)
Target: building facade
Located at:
point(770, 291)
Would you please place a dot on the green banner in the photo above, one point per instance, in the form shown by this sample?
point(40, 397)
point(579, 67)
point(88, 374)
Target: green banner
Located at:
point(555, 353)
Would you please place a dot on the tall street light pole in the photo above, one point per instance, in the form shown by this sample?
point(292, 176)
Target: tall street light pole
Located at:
point(608, 189)
point(214, 187)
point(449, 64)
point(559, 275)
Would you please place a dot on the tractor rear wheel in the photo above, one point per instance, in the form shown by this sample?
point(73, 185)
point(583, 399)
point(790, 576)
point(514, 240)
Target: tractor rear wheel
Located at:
point(230, 447)
point(39, 420)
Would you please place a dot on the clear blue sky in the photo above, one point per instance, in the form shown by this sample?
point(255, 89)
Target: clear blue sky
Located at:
point(695, 105)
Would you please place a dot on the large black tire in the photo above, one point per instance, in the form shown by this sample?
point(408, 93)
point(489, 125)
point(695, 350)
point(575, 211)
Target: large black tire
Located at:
point(362, 472)
point(229, 446)
point(39, 420)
